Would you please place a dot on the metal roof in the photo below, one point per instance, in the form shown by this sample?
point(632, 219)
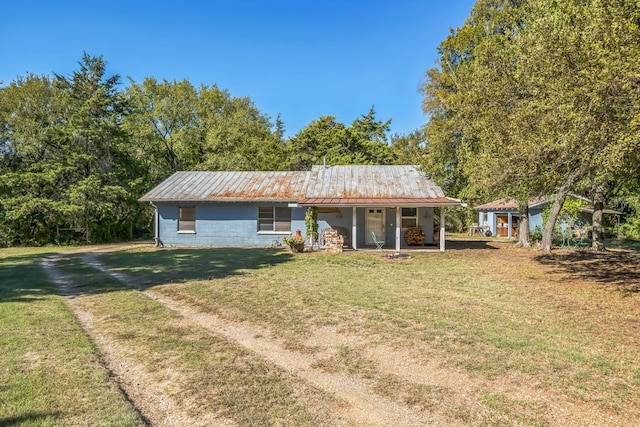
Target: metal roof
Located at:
point(500, 204)
point(330, 185)
point(507, 204)
point(230, 187)
point(369, 201)
point(376, 182)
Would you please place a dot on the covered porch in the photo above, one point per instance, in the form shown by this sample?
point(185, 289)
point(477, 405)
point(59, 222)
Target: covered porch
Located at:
point(369, 226)
point(373, 206)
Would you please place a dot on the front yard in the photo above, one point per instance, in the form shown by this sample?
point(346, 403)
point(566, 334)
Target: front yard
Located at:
point(484, 334)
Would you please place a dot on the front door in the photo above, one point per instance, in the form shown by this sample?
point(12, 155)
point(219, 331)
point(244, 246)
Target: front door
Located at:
point(374, 223)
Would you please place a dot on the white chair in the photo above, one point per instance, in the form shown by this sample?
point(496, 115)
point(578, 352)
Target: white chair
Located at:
point(379, 243)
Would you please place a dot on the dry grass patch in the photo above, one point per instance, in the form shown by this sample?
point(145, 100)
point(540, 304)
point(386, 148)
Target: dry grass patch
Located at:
point(206, 375)
point(516, 324)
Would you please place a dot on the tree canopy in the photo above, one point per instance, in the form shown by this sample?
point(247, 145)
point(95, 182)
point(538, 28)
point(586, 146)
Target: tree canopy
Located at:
point(77, 151)
point(536, 98)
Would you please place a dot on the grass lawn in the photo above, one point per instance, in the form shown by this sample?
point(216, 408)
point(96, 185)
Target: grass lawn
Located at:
point(491, 335)
point(495, 312)
point(51, 374)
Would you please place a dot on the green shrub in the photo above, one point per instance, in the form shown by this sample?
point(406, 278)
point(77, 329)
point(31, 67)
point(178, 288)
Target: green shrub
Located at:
point(535, 235)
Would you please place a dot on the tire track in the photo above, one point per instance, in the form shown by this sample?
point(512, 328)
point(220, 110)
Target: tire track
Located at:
point(149, 398)
point(361, 406)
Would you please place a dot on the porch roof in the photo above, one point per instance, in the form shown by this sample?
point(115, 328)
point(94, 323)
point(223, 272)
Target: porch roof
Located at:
point(508, 204)
point(370, 201)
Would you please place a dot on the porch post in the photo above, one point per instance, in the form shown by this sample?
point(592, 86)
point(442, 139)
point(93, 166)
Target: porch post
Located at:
point(156, 225)
point(441, 228)
point(353, 229)
point(509, 222)
point(398, 219)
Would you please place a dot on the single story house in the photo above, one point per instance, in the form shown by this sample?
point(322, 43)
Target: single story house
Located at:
point(259, 208)
point(502, 219)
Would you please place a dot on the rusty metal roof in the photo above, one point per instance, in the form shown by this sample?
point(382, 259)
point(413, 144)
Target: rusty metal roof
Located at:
point(500, 204)
point(509, 204)
point(376, 182)
point(230, 187)
point(332, 185)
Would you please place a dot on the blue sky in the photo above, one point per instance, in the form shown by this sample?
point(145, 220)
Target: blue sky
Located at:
point(301, 59)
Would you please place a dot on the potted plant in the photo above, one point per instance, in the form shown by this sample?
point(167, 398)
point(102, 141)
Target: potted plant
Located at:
point(296, 243)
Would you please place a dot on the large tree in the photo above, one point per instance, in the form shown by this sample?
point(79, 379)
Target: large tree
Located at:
point(536, 97)
point(65, 168)
point(327, 140)
point(469, 144)
point(181, 127)
point(27, 182)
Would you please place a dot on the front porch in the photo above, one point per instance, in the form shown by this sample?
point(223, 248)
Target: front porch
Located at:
point(359, 227)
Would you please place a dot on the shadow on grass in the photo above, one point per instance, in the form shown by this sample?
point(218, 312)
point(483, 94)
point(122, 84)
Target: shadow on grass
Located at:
point(22, 279)
point(616, 268)
point(182, 265)
point(457, 245)
point(30, 418)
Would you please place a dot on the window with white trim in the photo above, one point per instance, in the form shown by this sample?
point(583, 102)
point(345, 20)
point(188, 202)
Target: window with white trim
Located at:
point(274, 219)
point(409, 217)
point(187, 219)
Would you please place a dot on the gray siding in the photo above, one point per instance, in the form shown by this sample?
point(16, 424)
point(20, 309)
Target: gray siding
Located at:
point(235, 224)
point(343, 222)
point(222, 224)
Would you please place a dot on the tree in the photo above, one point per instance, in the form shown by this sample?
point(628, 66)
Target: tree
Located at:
point(325, 139)
point(237, 135)
point(535, 92)
point(409, 149)
point(64, 162)
point(164, 123)
point(184, 128)
point(468, 141)
point(89, 129)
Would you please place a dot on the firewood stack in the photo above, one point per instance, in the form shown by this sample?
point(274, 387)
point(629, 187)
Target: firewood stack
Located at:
point(333, 241)
point(414, 237)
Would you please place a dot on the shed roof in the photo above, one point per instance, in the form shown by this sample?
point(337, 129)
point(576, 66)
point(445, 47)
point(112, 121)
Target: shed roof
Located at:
point(230, 187)
point(506, 205)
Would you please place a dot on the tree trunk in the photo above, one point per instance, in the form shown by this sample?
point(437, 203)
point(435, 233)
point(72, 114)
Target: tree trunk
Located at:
point(597, 234)
point(547, 233)
point(559, 198)
point(523, 232)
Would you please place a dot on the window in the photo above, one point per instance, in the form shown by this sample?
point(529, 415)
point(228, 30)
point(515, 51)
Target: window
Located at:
point(187, 219)
point(276, 219)
point(409, 217)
